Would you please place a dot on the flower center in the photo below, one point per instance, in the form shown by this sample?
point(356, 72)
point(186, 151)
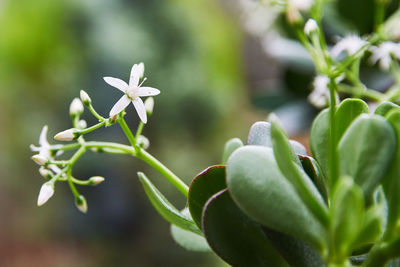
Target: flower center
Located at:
point(132, 92)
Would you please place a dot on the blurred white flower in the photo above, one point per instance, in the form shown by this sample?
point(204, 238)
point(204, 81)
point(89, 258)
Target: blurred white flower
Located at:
point(302, 5)
point(350, 44)
point(132, 92)
point(319, 97)
point(311, 26)
point(385, 53)
point(44, 151)
point(46, 192)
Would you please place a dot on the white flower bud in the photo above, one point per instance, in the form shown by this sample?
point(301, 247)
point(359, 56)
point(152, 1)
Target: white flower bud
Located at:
point(67, 135)
point(46, 173)
point(310, 27)
point(143, 142)
point(40, 160)
point(85, 98)
point(95, 180)
point(141, 70)
point(149, 105)
point(76, 107)
point(46, 192)
point(82, 124)
point(81, 204)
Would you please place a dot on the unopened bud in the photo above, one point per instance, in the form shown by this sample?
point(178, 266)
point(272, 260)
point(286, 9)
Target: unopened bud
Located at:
point(46, 173)
point(81, 204)
point(149, 105)
point(67, 135)
point(143, 142)
point(95, 180)
point(141, 70)
point(85, 98)
point(46, 192)
point(82, 124)
point(40, 160)
point(76, 107)
point(310, 27)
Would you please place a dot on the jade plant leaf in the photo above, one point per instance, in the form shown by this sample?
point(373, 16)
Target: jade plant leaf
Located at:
point(346, 113)
point(385, 107)
point(165, 208)
point(288, 163)
point(366, 150)
point(263, 193)
point(296, 252)
point(260, 134)
point(391, 183)
point(347, 215)
point(188, 239)
point(319, 139)
point(313, 171)
point(203, 186)
point(236, 238)
point(372, 228)
point(230, 146)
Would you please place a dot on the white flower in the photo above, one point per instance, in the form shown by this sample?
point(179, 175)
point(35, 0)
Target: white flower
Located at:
point(46, 192)
point(319, 97)
point(311, 26)
point(132, 92)
point(44, 151)
point(302, 5)
point(384, 53)
point(350, 44)
point(67, 135)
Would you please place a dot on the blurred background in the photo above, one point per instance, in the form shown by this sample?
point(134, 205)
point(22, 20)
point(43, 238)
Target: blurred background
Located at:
point(220, 66)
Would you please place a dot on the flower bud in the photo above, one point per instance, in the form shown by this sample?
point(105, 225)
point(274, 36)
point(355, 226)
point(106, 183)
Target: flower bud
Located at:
point(82, 124)
point(67, 135)
point(310, 27)
point(46, 192)
point(76, 107)
point(46, 173)
point(143, 142)
point(95, 180)
point(85, 98)
point(81, 204)
point(40, 160)
point(141, 70)
point(149, 105)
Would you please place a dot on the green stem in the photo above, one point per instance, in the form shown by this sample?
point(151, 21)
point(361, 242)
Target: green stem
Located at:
point(379, 17)
point(168, 174)
point(127, 131)
point(333, 152)
point(92, 128)
point(139, 130)
point(94, 112)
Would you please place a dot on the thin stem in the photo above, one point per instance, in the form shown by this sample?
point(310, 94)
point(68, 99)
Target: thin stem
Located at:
point(127, 131)
point(139, 130)
point(66, 147)
point(379, 15)
point(123, 148)
point(92, 128)
point(333, 153)
point(168, 174)
point(94, 112)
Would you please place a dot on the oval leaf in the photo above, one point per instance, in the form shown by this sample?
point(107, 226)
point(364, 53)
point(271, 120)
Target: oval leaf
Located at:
point(235, 237)
point(203, 186)
point(319, 138)
point(260, 134)
point(231, 146)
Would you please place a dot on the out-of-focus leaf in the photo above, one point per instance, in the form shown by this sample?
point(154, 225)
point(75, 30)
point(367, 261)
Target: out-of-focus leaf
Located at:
point(236, 238)
point(385, 107)
point(313, 171)
point(203, 186)
point(263, 193)
point(165, 208)
point(230, 147)
point(366, 151)
point(260, 134)
point(319, 140)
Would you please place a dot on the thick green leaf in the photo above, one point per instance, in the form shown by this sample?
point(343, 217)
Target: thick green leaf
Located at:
point(260, 134)
point(347, 215)
point(385, 107)
point(319, 140)
point(373, 227)
point(298, 148)
point(188, 239)
point(346, 113)
point(296, 252)
point(263, 193)
point(231, 146)
point(391, 182)
point(165, 208)
point(366, 150)
point(313, 171)
point(288, 163)
point(203, 186)
point(235, 237)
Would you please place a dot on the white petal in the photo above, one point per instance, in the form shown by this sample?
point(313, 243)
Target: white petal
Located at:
point(136, 71)
point(122, 103)
point(117, 83)
point(43, 137)
point(148, 91)
point(140, 109)
point(46, 192)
